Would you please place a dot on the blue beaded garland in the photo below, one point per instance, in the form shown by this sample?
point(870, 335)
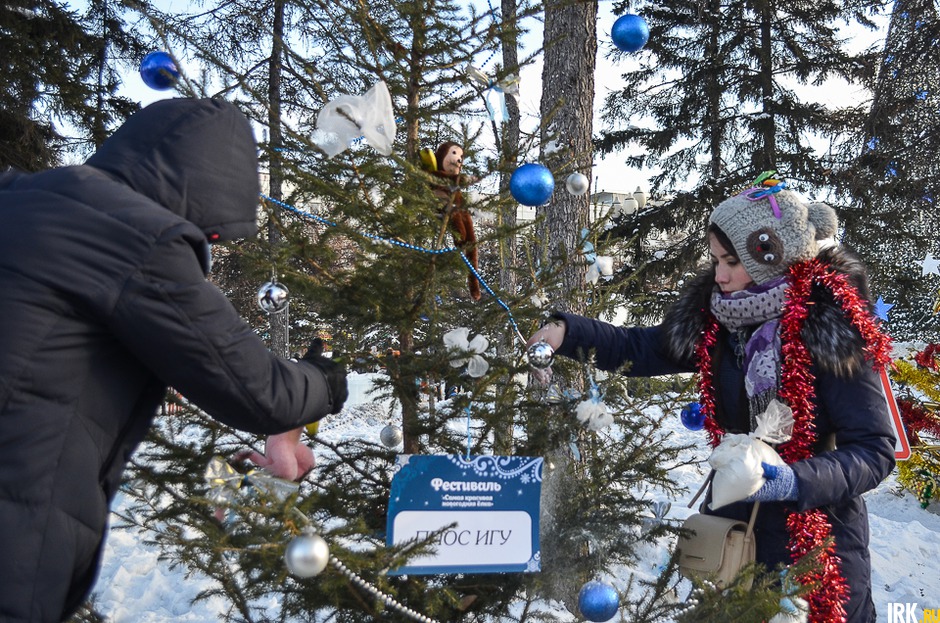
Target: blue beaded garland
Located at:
point(630, 32)
point(692, 416)
point(598, 601)
point(532, 184)
point(158, 71)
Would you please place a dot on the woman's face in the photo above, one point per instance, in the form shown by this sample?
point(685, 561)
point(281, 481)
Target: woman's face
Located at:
point(729, 271)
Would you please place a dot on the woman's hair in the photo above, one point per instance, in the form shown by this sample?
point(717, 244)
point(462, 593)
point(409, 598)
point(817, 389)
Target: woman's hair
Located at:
point(722, 239)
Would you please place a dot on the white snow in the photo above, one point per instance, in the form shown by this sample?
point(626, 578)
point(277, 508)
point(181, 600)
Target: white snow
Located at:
point(135, 586)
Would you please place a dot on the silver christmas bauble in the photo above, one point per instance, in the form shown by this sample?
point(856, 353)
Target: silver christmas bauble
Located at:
point(577, 183)
point(540, 355)
point(391, 436)
point(306, 555)
point(273, 297)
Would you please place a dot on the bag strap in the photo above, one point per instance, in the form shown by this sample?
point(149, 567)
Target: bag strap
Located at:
point(701, 490)
point(750, 523)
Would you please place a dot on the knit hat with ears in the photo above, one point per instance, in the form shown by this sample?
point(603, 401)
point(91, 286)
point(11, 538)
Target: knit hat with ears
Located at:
point(772, 229)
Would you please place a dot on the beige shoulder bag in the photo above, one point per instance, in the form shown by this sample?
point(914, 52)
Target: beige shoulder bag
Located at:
point(713, 547)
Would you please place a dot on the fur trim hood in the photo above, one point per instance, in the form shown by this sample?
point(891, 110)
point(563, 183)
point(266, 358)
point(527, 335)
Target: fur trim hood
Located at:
point(834, 343)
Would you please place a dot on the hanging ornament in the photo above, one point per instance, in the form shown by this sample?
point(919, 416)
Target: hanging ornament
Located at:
point(598, 601)
point(577, 184)
point(630, 32)
point(158, 71)
point(554, 395)
point(273, 297)
point(593, 411)
point(306, 555)
point(391, 436)
point(466, 351)
point(692, 416)
point(659, 509)
point(540, 355)
point(532, 184)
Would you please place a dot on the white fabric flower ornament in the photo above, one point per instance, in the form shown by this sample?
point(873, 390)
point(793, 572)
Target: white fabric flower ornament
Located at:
point(469, 352)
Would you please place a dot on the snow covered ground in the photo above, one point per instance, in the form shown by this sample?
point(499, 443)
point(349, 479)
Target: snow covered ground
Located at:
point(136, 587)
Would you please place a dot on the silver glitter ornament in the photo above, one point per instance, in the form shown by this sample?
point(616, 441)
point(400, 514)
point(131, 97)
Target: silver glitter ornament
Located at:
point(391, 436)
point(540, 355)
point(577, 184)
point(306, 555)
point(273, 297)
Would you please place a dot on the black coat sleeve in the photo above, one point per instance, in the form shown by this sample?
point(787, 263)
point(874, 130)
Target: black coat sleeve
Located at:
point(641, 349)
point(856, 412)
point(190, 336)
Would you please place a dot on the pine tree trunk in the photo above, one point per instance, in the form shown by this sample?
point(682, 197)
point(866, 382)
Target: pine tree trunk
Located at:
point(280, 322)
point(507, 217)
point(567, 111)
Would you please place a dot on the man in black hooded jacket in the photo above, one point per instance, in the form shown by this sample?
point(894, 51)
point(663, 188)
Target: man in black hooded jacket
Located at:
point(105, 303)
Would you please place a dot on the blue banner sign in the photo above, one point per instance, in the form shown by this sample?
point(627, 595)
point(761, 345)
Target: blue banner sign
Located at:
point(483, 513)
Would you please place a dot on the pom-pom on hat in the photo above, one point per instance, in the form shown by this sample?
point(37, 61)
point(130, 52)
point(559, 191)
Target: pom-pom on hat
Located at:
point(771, 227)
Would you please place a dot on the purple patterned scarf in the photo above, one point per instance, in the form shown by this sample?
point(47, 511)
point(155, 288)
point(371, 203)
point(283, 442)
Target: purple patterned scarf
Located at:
point(760, 308)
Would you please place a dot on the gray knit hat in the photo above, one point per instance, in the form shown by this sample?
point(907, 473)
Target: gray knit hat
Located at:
point(771, 230)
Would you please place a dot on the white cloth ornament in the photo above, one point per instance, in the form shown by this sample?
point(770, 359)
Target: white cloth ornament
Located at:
point(458, 345)
point(349, 117)
point(796, 610)
point(603, 266)
point(737, 464)
point(594, 413)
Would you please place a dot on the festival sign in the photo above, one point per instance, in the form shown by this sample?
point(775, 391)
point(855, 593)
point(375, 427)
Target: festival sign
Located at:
point(482, 513)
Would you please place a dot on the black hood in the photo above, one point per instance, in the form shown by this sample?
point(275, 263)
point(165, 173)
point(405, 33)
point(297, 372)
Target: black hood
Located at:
point(196, 157)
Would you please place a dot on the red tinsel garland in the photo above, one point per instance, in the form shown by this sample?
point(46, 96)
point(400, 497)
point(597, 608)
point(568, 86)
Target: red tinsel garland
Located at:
point(808, 530)
point(927, 358)
point(917, 419)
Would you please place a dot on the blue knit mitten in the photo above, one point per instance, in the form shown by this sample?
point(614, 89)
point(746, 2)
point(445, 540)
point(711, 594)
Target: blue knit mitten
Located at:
point(781, 485)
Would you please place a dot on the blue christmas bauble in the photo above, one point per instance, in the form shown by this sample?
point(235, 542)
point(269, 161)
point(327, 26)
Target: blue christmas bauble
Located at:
point(158, 71)
point(531, 184)
point(630, 32)
point(692, 416)
point(598, 601)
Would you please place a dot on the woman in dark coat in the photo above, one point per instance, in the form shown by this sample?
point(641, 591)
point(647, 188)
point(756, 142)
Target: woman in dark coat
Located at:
point(775, 318)
point(105, 303)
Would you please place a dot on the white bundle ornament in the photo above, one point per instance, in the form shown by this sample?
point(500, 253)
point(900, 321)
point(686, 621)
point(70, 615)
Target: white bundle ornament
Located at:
point(593, 412)
point(737, 459)
point(349, 117)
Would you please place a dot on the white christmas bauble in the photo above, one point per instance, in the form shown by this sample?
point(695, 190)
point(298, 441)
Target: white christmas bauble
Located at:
point(391, 436)
point(577, 183)
point(306, 555)
point(540, 355)
point(273, 297)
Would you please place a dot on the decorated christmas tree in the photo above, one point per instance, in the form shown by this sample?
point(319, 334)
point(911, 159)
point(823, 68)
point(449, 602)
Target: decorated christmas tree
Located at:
point(369, 250)
point(919, 378)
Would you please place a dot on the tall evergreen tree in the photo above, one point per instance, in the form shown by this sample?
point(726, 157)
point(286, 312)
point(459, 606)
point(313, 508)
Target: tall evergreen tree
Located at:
point(376, 268)
point(891, 183)
point(57, 73)
point(716, 102)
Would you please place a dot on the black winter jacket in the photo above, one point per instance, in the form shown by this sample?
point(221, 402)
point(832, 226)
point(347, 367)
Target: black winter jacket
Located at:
point(851, 410)
point(105, 303)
